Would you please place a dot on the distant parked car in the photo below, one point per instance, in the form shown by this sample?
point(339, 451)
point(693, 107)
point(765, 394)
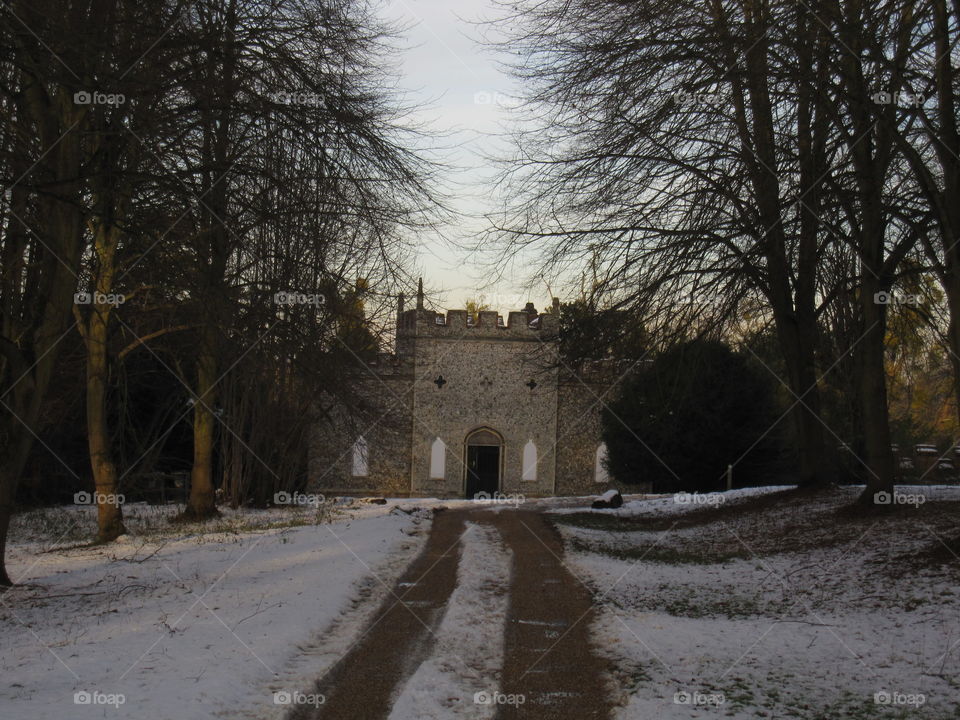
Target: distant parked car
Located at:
point(946, 464)
point(906, 463)
point(925, 449)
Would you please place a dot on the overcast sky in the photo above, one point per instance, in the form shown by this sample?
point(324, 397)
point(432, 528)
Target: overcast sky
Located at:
point(445, 66)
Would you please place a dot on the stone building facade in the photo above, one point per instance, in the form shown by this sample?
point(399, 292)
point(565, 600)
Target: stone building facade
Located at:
point(465, 407)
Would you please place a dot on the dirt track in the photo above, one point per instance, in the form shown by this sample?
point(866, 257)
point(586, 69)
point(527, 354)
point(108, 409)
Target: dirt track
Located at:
point(547, 659)
point(548, 655)
point(399, 637)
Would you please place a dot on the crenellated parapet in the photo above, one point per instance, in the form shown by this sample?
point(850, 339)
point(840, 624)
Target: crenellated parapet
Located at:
point(519, 325)
point(489, 323)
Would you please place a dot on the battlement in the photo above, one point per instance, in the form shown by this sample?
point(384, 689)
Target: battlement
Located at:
point(526, 324)
point(519, 324)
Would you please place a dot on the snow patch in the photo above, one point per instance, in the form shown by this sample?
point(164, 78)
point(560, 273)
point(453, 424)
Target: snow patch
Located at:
point(184, 628)
point(833, 627)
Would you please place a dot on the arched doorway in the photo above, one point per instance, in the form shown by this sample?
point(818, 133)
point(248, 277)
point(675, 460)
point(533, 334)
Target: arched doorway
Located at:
point(483, 449)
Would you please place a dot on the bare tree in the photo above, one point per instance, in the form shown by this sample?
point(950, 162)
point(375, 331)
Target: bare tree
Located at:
point(290, 117)
point(42, 219)
point(921, 104)
point(270, 155)
point(672, 149)
point(713, 155)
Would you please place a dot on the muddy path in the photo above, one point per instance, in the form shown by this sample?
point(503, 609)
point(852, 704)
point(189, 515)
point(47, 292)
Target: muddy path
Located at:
point(399, 638)
point(548, 659)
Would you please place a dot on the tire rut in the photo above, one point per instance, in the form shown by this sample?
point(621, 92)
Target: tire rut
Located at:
point(400, 636)
point(548, 656)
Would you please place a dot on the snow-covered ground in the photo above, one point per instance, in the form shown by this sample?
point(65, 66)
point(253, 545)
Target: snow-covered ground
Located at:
point(659, 505)
point(787, 611)
point(727, 604)
point(185, 622)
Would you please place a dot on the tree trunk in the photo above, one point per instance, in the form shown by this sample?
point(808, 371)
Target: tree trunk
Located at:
point(871, 148)
point(953, 334)
point(217, 119)
point(202, 492)
point(872, 389)
point(109, 505)
point(947, 145)
point(109, 512)
point(7, 491)
point(62, 230)
point(794, 313)
point(814, 466)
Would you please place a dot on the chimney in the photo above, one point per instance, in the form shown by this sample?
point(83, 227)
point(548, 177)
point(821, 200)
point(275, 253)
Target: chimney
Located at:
point(420, 294)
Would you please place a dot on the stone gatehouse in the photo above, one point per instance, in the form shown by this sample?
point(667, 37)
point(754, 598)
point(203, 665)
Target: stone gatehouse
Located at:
point(463, 407)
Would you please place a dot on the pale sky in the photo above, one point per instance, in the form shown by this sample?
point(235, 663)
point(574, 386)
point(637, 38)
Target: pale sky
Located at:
point(445, 66)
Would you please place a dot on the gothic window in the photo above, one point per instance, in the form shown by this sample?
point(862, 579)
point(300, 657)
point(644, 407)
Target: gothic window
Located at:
point(600, 474)
point(360, 468)
point(438, 460)
point(529, 461)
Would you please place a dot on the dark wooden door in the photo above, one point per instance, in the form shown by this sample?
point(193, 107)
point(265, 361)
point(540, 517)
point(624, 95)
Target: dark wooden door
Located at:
point(483, 469)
